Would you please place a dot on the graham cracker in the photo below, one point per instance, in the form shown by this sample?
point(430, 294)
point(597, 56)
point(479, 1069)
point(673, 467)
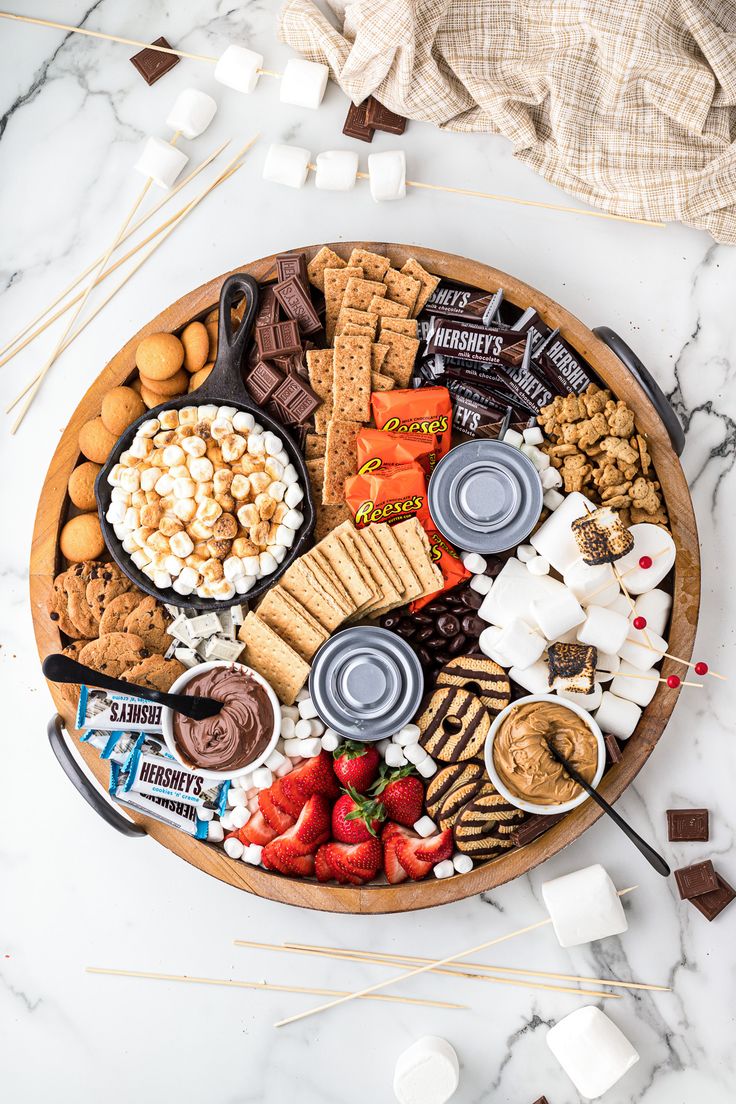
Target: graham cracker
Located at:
point(415, 545)
point(399, 362)
point(378, 355)
point(374, 265)
point(394, 553)
point(302, 583)
point(360, 292)
point(386, 308)
point(429, 282)
point(383, 584)
point(351, 383)
point(407, 326)
point(320, 367)
point(379, 382)
point(326, 258)
point(341, 459)
point(314, 447)
point(274, 659)
point(329, 580)
point(316, 472)
point(355, 553)
point(346, 568)
point(385, 563)
point(350, 329)
point(294, 624)
point(358, 317)
point(336, 280)
point(328, 518)
point(401, 288)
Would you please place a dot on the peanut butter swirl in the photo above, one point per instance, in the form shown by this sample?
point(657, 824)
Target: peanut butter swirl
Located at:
point(241, 730)
point(523, 760)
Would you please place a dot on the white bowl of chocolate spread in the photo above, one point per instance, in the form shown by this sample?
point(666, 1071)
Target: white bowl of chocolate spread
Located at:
point(240, 737)
point(519, 762)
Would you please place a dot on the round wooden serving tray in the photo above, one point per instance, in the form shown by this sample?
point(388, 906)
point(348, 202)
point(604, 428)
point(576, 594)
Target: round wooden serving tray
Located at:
point(45, 564)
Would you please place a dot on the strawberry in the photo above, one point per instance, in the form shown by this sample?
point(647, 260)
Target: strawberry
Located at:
point(286, 799)
point(281, 855)
point(257, 830)
point(406, 853)
point(313, 826)
point(354, 863)
point(275, 817)
point(357, 765)
point(395, 872)
point(402, 794)
point(366, 858)
point(435, 848)
point(312, 776)
point(322, 868)
point(355, 818)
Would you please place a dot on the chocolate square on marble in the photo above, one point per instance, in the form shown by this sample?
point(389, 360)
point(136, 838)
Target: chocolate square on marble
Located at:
point(688, 824)
point(692, 881)
point(381, 118)
point(355, 125)
point(711, 904)
point(153, 64)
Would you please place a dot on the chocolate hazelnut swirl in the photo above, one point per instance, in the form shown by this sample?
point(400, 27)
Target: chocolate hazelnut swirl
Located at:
point(241, 730)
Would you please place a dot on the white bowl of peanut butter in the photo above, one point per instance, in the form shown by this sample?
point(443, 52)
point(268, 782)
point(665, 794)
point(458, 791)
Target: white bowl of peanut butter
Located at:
point(519, 762)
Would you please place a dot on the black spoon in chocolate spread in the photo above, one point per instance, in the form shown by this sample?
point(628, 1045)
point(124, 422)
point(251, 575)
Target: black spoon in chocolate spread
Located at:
point(61, 668)
point(653, 857)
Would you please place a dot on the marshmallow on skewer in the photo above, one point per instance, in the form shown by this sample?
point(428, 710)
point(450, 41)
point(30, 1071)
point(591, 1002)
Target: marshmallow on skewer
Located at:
point(572, 667)
point(592, 584)
point(387, 173)
point(520, 644)
point(601, 536)
point(592, 1051)
point(557, 615)
point(654, 606)
point(287, 165)
point(655, 543)
point(160, 162)
point(428, 1072)
point(238, 68)
point(337, 170)
point(584, 906)
point(604, 629)
point(617, 715)
point(642, 648)
point(303, 83)
point(554, 539)
point(192, 113)
point(637, 689)
point(607, 666)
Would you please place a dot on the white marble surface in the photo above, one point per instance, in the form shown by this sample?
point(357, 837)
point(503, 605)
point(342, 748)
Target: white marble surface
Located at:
point(72, 115)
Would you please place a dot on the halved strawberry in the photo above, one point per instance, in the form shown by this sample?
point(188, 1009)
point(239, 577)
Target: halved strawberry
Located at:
point(365, 858)
point(405, 843)
point(434, 849)
point(395, 872)
point(286, 799)
point(331, 854)
point(256, 830)
point(322, 868)
point(313, 776)
point(312, 828)
point(276, 818)
point(281, 855)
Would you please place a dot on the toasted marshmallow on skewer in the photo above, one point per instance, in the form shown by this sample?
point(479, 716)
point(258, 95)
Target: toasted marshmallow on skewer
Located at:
point(601, 536)
point(160, 162)
point(192, 113)
point(572, 667)
point(238, 68)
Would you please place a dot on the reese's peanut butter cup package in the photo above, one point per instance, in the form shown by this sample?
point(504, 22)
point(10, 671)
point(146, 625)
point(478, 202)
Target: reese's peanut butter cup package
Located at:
point(415, 410)
point(378, 448)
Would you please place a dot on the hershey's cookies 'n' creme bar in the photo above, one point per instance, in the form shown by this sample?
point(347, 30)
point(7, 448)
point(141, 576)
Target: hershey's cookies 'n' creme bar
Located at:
point(108, 711)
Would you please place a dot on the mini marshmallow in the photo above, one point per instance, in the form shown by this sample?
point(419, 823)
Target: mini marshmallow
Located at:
point(427, 768)
point(592, 1051)
point(474, 563)
point(642, 648)
point(654, 606)
point(234, 848)
point(239, 817)
point(463, 863)
point(443, 869)
point(604, 629)
point(291, 745)
point(584, 906)
point(287, 165)
point(425, 827)
point(538, 566)
point(513, 437)
point(192, 113)
point(303, 728)
point(395, 756)
point(552, 499)
point(262, 778)
point(307, 709)
point(203, 813)
point(238, 68)
point(309, 748)
point(274, 760)
point(252, 854)
point(655, 542)
point(160, 162)
point(428, 1072)
point(550, 479)
point(409, 734)
point(520, 644)
point(481, 583)
point(533, 436)
point(617, 716)
point(525, 553)
point(215, 832)
point(336, 170)
point(330, 740)
point(554, 539)
point(534, 678)
point(387, 172)
point(415, 753)
point(303, 83)
point(556, 616)
point(637, 689)
point(595, 584)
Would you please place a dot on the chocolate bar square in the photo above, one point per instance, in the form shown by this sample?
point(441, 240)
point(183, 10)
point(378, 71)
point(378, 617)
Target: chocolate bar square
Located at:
point(355, 125)
point(687, 824)
point(533, 828)
point(267, 313)
point(381, 118)
point(292, 264)
point(692, 881)
point(613, 749)
point(152, 64)
point(280, 339)
point(296, 400)
point(294, 299)
point(262, 381)
point(711, 904)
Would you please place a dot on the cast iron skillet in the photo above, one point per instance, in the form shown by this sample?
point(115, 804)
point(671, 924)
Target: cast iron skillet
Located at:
point(223, 387)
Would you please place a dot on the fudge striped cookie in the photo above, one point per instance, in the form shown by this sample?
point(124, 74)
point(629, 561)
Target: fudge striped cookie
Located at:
point(458, 798)
point(485, 827)
point(480, 676)
point(449, 778)
point(454, 725)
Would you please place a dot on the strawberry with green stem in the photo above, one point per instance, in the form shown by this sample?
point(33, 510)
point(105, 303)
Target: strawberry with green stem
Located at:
point(401, 792)
point(356, 765)
point(355, 817)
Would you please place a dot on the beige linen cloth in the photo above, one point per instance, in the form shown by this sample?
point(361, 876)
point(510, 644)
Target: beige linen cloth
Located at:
point(629, 106)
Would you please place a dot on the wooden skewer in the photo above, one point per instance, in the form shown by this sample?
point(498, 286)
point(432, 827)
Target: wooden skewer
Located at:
point(355, 956)
point(498, 969)
point(425, 968)
point(628, 571)
point(119, 38)
point(93, 264)
point(659, 678)
point(229, 170)
point(263, 985)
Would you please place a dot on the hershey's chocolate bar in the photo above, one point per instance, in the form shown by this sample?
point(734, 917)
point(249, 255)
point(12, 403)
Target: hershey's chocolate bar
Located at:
point(562, 363)
point(464, 340)
point(295, 302)
point(451, 301)
point(292, 264)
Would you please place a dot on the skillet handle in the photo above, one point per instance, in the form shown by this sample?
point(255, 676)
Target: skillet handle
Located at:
point(77, 777)
point(648, 384)
point(225, 379)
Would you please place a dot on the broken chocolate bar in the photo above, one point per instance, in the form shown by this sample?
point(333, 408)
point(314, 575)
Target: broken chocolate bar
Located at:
point(279, 339)
point(262, 381)
point(711, 904)
point(692, 881)
point(292, 264)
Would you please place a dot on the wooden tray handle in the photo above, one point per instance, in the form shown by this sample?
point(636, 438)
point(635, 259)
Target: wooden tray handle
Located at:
point(56, 734)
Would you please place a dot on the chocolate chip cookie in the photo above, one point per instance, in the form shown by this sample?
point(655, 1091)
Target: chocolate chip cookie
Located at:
point(155, 672)
point(70, 691)
point(106, 582)
point(148, 620)
point(114, 653)
point(116, 611)
point(57, 607)
point(78, 608)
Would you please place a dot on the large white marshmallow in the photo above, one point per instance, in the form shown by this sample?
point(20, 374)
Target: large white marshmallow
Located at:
point(519, 644)
point(161, 162)
point(303, 83)
point(643, 648)
point(387, 173)
point(584, 906)
point(336, 170)
point(592, 585)
point(635, 689)
point(554, 539)
point(238, 68)
point(487, 644)
point(606, 666)
point(617, 715)
point(604, 629)
point(535, 678)
point(557, 615)
point(192, 113)
point(649, 540)
point(655, 606)
point(592, 1051)
point(513, 591)
point(287, 165)
point(589, 701)
point(427, 1072)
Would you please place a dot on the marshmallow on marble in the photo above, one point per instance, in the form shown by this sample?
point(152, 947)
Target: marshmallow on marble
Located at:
point(654, 607)
point(160, 162)
point(535, 678)
point(617, 715)
point(303, 83)
point(387, 173)
point(592, 1051)
point(192, 113)
point(428, 1072)
point(584, 906)
point(554, 539)
point(287, 165)
point(642, 648)
point(336, 170)
point(520, 644)
point(656, 543)
point(604, 629)
point(238, 68)
point(558, 615)
point(592, 584)
point(637, 689)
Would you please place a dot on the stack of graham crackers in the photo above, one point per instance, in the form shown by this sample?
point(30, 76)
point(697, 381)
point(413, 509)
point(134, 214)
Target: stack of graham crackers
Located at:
point(350, 574)
point(371, 328)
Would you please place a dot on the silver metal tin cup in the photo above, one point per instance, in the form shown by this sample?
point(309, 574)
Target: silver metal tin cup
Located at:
point(366, 683)
point(485, 496)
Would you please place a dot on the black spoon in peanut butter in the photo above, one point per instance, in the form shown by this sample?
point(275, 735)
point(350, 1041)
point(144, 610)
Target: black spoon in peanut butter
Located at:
point(61, 668)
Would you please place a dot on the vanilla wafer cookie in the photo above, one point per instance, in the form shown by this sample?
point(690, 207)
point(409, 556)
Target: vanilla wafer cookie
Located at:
point(454, 725)
point(485, 827)
point(447, 779)
point(480, 676)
